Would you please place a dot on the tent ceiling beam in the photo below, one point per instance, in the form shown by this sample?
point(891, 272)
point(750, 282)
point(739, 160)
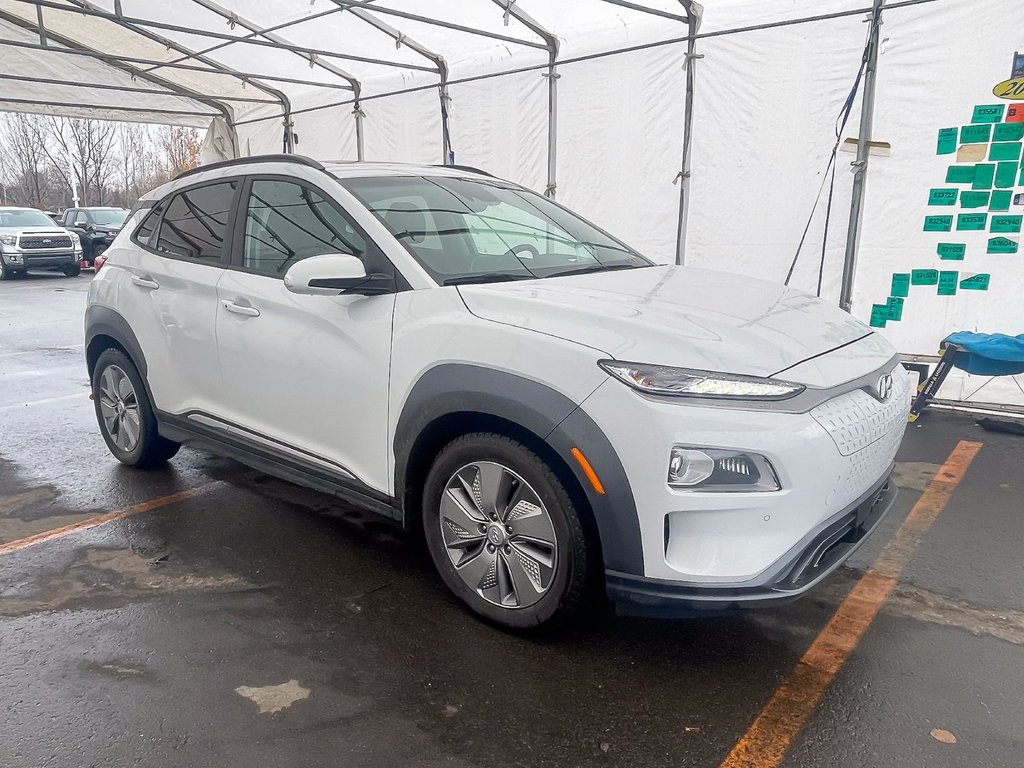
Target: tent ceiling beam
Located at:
point(273, 28)
point(437, 22)
point(74, 48)
point(650, 11)
point(139, 24)
point(122, 88)
point(108, 107)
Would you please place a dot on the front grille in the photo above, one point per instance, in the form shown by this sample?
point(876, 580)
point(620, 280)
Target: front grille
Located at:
point(40, 242)
point(856, 420)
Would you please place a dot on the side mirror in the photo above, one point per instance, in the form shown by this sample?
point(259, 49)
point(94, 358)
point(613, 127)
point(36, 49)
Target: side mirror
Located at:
point(81, 223)
point(331, 274)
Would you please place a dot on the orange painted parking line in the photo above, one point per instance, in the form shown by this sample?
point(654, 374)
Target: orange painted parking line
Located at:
point(92, 522)
point(766, 742)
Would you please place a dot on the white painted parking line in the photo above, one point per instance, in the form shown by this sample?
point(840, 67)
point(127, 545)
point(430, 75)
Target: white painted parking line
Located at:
point(44, 401)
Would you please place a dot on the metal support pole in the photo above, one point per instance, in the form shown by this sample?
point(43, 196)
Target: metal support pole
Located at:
point(42, 26)
point(693, 15)
point(357, 112)
point(448, 157)
point(860, 165)
point(552, 76)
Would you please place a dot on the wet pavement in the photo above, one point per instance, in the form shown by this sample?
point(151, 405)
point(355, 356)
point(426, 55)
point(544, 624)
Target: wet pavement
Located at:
point(256, 623)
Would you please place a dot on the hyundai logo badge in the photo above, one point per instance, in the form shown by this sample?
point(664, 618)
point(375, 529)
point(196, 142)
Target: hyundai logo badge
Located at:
point(884, 387)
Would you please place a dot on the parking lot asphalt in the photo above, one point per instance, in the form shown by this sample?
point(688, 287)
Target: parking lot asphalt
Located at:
point(223, 617)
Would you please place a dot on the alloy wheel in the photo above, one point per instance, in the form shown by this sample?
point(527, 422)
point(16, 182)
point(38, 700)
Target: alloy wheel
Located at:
point(119, 408)
point(498, 534)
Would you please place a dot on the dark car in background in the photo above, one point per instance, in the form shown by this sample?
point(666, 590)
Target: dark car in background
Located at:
point(96, 227)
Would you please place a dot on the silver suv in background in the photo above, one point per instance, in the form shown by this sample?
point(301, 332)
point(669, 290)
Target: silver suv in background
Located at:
point(30, 240)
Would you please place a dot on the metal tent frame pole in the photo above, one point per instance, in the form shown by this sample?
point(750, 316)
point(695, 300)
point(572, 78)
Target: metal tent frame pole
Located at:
point(75, 48)
point(440, 67)
point(551, 43)
point(278, 39)
point(694, 13)
point(867, 113)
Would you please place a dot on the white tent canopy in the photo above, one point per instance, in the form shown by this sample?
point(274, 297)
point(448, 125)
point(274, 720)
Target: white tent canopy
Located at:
point(591, 101)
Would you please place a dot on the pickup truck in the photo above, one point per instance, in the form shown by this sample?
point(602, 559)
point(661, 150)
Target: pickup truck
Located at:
point(30, 240)
point(96, 227)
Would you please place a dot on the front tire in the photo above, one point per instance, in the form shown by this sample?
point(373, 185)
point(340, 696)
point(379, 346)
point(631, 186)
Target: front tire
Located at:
point(5, 272)
point(74, 271)
point(504, 534)
point(125, 414)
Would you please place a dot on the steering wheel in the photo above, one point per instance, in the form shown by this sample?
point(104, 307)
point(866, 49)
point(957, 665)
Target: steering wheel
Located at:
point(515, 249)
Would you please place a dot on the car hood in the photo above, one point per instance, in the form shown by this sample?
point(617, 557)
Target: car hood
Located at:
point(34, 230)
point(677, 316)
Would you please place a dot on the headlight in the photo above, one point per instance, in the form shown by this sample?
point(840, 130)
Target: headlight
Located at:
point(8, 239)
point(683, 382)
point(711, 469)
point(76, 240)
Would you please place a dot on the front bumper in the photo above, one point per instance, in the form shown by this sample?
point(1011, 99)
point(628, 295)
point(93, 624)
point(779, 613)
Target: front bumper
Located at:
point(35, 260)
point(819, 554)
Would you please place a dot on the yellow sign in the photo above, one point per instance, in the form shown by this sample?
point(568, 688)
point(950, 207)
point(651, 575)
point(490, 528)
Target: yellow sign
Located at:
point(1010, 89)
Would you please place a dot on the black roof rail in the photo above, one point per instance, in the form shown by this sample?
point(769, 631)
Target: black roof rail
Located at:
point(469, 168)
point(300, 159)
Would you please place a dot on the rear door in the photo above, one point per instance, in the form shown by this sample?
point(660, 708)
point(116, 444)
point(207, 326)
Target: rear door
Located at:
point(305, 377)
point(170, 296)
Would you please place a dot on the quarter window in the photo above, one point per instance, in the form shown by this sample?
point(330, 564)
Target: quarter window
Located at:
point(287, 222)
point(195, 221)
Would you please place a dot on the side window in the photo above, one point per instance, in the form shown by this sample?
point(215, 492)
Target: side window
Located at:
point(144, 234)
point(286, 222)
point(195, 221)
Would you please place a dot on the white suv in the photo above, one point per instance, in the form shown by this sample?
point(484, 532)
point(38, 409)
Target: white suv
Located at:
point(558, 416)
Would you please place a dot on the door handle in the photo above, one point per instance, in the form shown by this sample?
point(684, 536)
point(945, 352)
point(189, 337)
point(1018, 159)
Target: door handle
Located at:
point(145, 282)
point(240, 309)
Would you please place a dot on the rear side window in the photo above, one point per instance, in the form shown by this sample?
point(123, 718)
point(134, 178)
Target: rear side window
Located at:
point(144, 234)
point(195, 222)
point(287, 222)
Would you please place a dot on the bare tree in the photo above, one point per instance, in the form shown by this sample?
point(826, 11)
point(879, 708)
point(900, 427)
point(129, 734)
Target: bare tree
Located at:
point(182, 147)
point(84, 145)
point(24, 159)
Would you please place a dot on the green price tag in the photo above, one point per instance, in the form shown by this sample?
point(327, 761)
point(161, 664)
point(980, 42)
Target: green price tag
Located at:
point(988, 113)
point(1004, 132)
point(1005, 151)
point(971, 222)
point(952, 251)
point(879, 314)
point(1006, 174)
point(1001, 199)
point(924, 277)
point(973, 199)
point(975, 134)
point(938, 223)
point(975, 283)
point(942, 197)
point(900, 285)
point(984, 174)
point(947, 141)
point(1004, 223)
point(895, 305)
point(960, 174)
point(1002, 245)
point(947, 283)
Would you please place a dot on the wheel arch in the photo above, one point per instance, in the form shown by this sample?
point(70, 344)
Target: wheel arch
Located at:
point(451, 400)
point(105, 328)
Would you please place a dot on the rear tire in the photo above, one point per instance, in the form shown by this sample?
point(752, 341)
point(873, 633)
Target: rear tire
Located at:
point(504, 534)
point(125, 415)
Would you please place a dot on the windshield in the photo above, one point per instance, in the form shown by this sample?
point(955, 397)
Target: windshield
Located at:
point(27, 217)
point(109, 218)
point(475, 230)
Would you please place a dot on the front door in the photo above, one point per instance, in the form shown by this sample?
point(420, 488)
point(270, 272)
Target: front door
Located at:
point(306, 377)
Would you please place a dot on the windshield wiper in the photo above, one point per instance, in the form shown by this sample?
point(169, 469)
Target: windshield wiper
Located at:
point(597, 268)
point(487, 277)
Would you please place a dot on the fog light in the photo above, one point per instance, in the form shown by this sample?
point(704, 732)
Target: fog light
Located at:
point(712, 469)
point(688, 467)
